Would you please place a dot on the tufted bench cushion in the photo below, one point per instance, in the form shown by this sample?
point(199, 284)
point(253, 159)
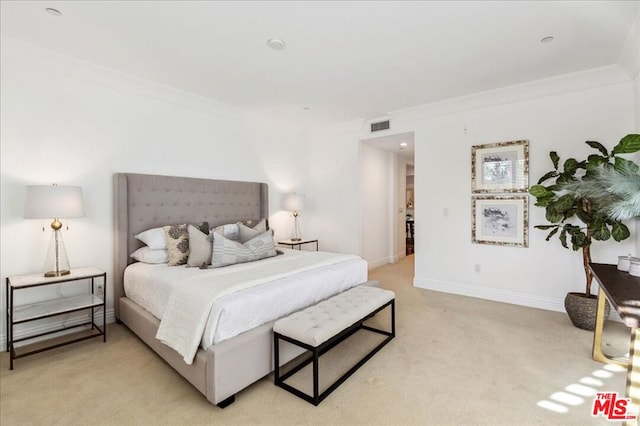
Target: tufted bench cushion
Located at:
point(321, 327)
point(317, 324)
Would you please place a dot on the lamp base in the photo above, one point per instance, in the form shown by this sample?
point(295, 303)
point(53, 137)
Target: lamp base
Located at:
point(57, 262)
point(56, 273)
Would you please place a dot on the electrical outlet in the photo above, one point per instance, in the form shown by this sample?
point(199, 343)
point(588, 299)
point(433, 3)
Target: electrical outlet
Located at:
point(476, 267)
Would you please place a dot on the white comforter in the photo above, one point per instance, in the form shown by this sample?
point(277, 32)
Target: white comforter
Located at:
point(271, 287)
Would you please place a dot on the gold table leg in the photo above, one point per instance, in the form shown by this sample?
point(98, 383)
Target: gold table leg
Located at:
point(597, 353)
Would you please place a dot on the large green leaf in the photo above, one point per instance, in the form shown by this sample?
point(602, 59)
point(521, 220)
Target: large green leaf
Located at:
point(545, 227)
point(539, 191)
point(545, 201)
point(570, 165)
point(553, 216)
point(620, 231)
point(629, 144)
point(600, 231)
point(579, 240)
point(563, 203)
point(565, 178)
point(594, 161)
point(626, 167)
point(552, 233)
point(555, 158)
point(563, 238)
point(547, 175)
point(599, 147)
point(557, 210)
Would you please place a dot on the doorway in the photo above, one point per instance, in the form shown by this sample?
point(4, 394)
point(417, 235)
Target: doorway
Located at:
point(387, 193)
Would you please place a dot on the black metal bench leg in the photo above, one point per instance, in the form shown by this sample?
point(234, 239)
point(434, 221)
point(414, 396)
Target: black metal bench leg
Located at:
point(316, 384)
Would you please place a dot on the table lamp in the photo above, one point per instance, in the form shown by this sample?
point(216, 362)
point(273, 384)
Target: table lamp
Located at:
point(295, 203)
point(54, 201)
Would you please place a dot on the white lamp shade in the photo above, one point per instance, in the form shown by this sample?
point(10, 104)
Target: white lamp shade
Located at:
point(53, 201)
point(294, 202)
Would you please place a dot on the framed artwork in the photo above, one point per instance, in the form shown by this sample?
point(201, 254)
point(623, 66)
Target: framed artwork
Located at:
point(500, 167)
point(500, 220)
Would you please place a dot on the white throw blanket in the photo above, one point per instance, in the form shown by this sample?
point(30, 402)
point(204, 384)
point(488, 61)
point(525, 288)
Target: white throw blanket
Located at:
point(190, 303)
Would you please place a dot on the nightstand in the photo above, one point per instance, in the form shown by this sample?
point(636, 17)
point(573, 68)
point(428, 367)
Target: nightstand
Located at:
point(89, 301)
point(292, 243)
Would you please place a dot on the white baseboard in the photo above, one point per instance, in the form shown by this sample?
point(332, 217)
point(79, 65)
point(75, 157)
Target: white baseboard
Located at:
point(378, 262)
point(491, 294)
point(53, 324)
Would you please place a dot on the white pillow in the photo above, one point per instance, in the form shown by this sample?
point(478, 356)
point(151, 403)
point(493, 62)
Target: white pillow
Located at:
point(229, 231)
point(154, 238)
point(147, 255)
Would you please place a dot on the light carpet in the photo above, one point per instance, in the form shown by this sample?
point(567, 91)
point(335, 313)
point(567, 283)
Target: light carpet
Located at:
point(455, 361)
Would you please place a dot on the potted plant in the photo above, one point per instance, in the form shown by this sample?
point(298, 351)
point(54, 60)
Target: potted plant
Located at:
point(579, 201)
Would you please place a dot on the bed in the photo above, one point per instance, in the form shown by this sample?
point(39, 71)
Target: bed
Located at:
point(229, 363)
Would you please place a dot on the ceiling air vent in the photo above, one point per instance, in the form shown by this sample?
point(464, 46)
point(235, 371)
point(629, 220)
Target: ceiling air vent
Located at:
point(380, 125)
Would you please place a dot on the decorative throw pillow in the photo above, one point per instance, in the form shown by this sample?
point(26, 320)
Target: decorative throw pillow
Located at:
point(200, 247)
point(177, 237)
point(228, 252)
point(247, 232)
point(229, 231)
point(147, 255)
point(154, 238)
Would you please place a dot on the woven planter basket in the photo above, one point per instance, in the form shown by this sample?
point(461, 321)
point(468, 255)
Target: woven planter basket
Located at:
point(582, 310)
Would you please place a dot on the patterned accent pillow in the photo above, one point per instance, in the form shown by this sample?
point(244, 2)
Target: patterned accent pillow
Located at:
point(177, 237)
point(228, 252)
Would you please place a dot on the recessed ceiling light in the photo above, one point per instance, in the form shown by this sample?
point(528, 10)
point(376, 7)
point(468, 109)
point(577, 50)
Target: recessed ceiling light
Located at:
point(276, 43)
point(403, 144)
point(546, 39)
point(52, 11)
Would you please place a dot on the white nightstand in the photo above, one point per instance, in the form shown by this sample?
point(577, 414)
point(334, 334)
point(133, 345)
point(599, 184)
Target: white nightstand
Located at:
point(19, 314)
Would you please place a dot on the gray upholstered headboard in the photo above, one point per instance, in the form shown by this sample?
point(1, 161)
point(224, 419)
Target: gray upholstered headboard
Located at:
point(147, 201)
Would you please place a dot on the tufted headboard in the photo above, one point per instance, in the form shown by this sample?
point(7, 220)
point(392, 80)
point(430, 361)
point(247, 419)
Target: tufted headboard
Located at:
point(148, 201)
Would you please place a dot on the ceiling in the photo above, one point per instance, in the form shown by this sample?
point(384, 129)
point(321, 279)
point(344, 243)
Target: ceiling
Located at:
point(402, 143)
point(342, 61)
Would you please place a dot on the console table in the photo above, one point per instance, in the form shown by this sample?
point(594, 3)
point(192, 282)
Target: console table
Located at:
point(623, 292)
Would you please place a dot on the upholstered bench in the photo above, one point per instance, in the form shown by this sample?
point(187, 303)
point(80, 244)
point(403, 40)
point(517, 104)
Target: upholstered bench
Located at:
point(320, 327)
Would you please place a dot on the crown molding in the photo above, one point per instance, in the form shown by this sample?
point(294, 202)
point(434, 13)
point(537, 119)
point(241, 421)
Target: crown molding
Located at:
point(21, 54)
point(597, 77)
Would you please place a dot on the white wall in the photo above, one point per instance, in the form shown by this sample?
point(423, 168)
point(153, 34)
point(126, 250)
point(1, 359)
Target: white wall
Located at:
point(334, 210)
point(558, 114)
point(72, 123)
point(376, 195)
point(543, 273)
